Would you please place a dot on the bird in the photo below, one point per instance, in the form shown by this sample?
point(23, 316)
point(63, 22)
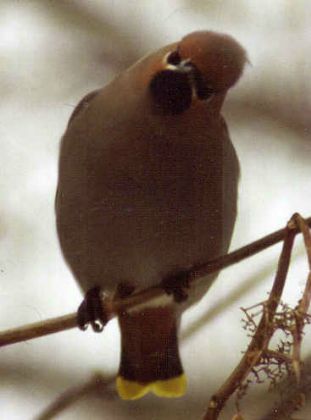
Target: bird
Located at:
point(148, 188)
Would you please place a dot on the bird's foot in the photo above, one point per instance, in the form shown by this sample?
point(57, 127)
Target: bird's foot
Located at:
point(177, 285)
point(91, 311)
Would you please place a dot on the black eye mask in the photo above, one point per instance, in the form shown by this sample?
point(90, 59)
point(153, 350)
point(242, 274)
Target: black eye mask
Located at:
point(171, 91)
point(201, 87)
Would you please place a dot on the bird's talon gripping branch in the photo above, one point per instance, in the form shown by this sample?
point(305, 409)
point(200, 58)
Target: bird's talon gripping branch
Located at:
point(97, 326)
point(91, 311)
point(178, 286)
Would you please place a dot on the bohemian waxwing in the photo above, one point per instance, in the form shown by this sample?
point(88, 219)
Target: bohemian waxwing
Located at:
point(147, 188)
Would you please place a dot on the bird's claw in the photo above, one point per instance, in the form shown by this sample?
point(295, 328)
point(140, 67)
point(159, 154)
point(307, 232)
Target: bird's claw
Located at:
point(177, 285)
point(91, 311)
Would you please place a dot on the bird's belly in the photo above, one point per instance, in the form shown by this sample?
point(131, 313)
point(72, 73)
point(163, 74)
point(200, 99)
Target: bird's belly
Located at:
point(139, 230)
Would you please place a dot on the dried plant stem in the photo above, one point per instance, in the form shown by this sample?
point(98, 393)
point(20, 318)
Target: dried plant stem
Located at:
point(69, 321)
point(295, 398)
point(258, 348)
point(303, 305)
point(261, 338)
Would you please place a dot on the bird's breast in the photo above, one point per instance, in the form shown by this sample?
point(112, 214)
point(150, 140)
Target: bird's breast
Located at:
point(145, 197)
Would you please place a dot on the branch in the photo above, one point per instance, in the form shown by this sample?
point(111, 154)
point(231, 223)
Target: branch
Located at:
point(112, 308)
point(299, 390)
point(258, 348)
point(302, 308)
point(261, 338)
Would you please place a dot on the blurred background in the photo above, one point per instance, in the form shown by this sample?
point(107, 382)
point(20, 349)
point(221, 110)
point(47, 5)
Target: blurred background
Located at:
point(51, 54)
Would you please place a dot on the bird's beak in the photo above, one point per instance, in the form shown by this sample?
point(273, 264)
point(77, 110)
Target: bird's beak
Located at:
point(201, 89)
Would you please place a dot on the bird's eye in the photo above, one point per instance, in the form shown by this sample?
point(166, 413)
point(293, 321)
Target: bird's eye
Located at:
point(203, 90)
point(173, 58)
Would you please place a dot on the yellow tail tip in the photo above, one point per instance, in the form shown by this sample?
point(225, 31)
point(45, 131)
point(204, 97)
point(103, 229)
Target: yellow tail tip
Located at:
point(131, 390)
point(169, 388)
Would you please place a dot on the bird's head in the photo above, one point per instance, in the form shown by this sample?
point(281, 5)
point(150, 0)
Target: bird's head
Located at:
point(202, 65)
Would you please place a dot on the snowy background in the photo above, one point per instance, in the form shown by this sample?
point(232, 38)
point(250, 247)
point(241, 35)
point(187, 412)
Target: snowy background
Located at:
point(51, 54)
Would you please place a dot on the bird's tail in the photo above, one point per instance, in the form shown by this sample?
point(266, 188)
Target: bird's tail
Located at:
point(150, 359)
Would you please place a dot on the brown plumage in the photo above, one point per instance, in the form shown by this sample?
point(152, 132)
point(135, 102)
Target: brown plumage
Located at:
point(148, 187)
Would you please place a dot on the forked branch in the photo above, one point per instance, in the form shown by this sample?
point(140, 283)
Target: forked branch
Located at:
point(258, 352)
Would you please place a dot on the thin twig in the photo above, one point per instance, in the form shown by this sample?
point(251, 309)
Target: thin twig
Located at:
point(277, 356)
point(38, 329)
point(306, 297)
point(261, 338)
point(69, 321)
point(303, 306)
point(68, 398)
point(296, 396)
